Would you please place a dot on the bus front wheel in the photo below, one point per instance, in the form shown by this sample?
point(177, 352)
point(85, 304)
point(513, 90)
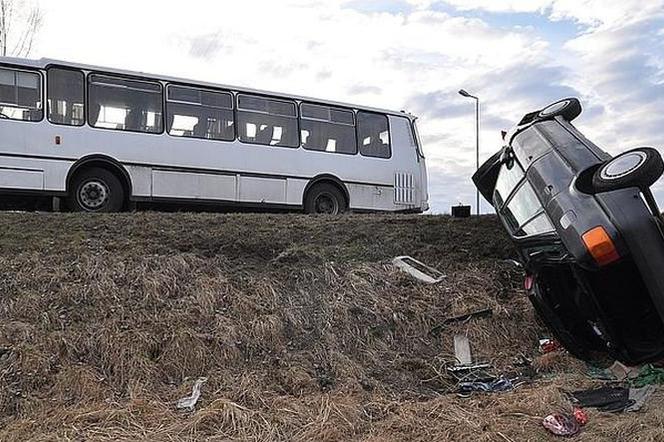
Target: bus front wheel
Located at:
point(96, 190)
point(325, 199)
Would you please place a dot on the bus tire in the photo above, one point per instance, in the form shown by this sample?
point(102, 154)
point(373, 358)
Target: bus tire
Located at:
point(325, 199)
point(96, 190)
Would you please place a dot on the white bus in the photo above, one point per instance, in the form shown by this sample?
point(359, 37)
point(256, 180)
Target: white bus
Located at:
point(102, 140)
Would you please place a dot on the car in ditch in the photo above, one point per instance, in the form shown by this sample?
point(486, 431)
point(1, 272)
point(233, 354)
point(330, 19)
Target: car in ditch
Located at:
point(588, 232)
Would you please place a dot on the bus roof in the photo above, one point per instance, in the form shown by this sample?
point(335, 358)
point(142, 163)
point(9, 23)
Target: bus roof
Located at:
point(45, 62)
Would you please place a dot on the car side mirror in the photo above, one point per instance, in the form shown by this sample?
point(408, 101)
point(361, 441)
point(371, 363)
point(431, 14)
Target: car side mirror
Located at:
point(507, 157)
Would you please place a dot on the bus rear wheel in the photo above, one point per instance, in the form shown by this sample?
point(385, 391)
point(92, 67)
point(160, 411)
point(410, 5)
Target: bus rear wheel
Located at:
point(325, 199)
point(96, 190)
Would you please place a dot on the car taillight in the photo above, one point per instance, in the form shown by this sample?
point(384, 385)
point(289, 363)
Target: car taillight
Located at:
point(601, 248)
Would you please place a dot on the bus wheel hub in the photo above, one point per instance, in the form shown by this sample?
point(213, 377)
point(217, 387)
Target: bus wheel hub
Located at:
point(93, 194)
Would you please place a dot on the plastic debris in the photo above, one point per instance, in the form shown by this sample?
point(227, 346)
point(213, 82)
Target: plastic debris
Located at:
point(548, 345)
point(639, 397)
point(623, 372)
point(484, 313)
point(648, 375)
point(496, 386)
point(581, 416)
point(609, 399)
point(462, 350)
point(617, 372)
point(562, 424)
point(466, 368)
point(189, 402)
point(418, 269)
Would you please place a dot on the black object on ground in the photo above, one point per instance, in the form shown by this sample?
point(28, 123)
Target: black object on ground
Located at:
point(461, 211)
point(610, 399)
point(484, 313)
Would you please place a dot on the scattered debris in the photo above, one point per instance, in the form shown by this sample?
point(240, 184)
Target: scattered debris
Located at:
point(473, 371)
point(562, 424)
point(462, 350)
point(617, 372)
point(581, 416)
point(548, 345)
point(614, 399)
point(648, 375)
point(189, 402)
point(609, 399)
point(484, 313)
point(466, 369)
point(639, 397)
point(622, 372)
point(497, 385)
point(418, 269)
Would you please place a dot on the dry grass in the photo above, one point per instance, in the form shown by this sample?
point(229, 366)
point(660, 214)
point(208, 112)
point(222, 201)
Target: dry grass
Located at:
point(303, 329)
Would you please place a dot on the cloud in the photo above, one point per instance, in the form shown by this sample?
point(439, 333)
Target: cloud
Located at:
point(206, 46)
point(360, 89)
point(400, 54)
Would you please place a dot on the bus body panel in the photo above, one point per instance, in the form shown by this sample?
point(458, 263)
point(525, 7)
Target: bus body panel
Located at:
point(40, 155)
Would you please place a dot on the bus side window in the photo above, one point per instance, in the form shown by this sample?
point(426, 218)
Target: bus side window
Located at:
point(327, 129)
point(373, 135)
point(20, 95)
point(123, 104)
point(65, 97)
point(200, 113)
point(267, 121)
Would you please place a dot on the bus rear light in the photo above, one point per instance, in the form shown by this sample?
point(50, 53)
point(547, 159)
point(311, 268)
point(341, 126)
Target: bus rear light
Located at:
point(601, 248)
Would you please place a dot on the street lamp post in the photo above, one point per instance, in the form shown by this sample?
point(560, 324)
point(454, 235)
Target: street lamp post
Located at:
point(463, 93)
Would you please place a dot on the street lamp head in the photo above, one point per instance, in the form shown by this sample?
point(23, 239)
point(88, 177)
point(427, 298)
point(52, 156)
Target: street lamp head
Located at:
point(463, 93)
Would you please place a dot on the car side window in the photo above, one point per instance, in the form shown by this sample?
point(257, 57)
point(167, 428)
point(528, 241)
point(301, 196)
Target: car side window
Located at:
point(538, 225)
point(508, 179)
point(524, 214)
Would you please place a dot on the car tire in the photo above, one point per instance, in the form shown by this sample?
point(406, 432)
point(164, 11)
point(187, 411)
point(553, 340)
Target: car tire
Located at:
point(325, 199)
point(568, 108)
point(640, 168)
point(96, 190)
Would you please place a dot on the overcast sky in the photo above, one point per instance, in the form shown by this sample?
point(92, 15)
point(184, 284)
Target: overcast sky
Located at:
point(516, 55)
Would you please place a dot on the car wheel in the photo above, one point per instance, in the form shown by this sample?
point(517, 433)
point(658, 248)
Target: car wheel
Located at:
point(325, 199)
point(640, 168)
point(569, 109)
point(96, 190)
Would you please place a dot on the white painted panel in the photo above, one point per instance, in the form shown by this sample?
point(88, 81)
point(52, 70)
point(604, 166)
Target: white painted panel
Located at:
point(141, 180)
point(295, 191)
point(21, 179)
point(193, 185)
point(368, 197)
point(361, 197)
point(263, 190)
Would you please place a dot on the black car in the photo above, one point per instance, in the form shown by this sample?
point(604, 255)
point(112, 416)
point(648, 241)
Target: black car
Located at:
point(588, 231)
